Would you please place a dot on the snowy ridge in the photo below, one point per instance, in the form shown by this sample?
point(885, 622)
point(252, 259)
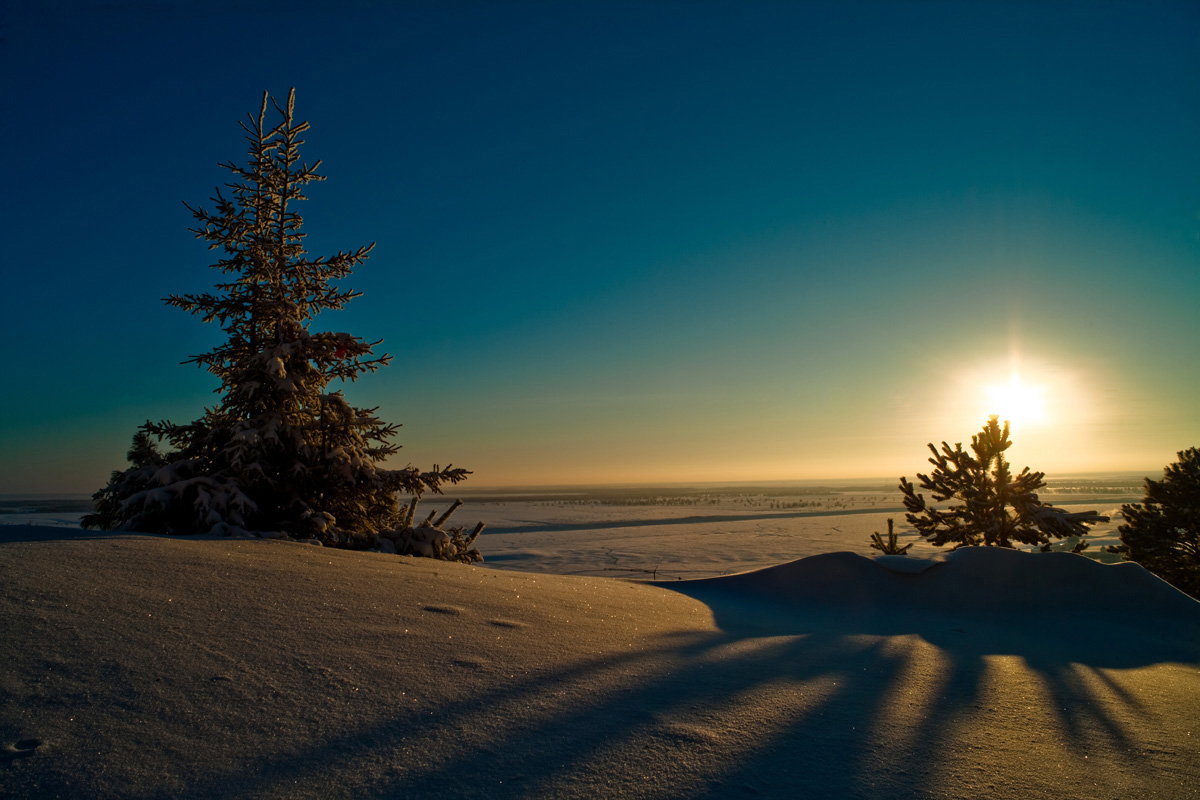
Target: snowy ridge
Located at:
point(980, 585)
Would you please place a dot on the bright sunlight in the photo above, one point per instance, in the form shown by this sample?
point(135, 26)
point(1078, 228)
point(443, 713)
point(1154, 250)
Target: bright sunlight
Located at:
point(1017, 402)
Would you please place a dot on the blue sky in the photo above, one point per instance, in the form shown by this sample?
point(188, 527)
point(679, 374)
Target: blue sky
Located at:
point(624, 242)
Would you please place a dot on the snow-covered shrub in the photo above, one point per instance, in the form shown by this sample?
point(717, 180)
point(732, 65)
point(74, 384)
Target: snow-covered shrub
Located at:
point(429, 539)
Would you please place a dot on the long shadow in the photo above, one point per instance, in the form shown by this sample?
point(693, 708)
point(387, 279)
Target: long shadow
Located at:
point(575, 527)
point(543, 757)
point(1064, 652)
point(511, 750)
point(785, 698)
point(604, 744)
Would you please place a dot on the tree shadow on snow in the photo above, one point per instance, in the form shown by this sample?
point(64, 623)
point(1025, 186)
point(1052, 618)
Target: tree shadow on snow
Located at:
point(856, 695)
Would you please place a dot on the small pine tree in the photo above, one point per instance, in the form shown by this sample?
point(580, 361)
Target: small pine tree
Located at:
point(1162, 533)
point(997, 509)
point(891, 545)
point(280, 454)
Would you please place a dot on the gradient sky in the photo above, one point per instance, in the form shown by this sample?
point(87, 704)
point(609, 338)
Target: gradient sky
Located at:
point(624, 242)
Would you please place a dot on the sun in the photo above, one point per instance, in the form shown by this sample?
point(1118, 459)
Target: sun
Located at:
point(1017, 403)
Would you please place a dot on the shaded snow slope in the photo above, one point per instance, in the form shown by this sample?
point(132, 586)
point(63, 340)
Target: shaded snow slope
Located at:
point(1106, 613)
point(970, 580)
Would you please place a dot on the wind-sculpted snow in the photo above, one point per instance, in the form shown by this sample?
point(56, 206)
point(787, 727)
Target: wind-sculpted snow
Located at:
point(972, 580)
point(1097, 609)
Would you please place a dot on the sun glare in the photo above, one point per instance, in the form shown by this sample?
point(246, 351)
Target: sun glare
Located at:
point(1017, 403)
point(1053, 409)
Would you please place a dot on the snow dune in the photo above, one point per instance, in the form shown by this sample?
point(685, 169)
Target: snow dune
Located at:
point(149, 667)
point(1036, 605)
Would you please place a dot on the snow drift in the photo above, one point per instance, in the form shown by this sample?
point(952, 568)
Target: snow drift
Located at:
point(971, 580)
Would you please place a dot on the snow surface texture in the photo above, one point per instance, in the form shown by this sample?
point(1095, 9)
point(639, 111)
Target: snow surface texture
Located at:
point(144, 667)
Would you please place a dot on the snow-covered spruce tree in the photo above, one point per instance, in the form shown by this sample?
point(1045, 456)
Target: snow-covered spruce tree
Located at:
point(997, 508)
point(279, 454)
point(1162, 533)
